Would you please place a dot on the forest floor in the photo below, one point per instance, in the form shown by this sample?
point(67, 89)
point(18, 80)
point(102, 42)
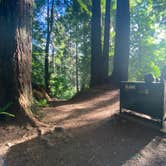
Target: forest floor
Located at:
point(85, 131)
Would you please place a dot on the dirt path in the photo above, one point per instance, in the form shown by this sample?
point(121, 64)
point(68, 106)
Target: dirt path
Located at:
point(90, 133)
point(86, 110)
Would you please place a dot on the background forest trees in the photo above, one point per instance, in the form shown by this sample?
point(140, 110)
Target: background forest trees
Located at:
point(69, 55)
point(77, 44)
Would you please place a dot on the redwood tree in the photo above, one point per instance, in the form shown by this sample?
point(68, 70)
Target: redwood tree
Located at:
point(121, 57)
point(106, 40)
point(100, 58)
point(50, 21)
point(96, 48)
point(15, 56)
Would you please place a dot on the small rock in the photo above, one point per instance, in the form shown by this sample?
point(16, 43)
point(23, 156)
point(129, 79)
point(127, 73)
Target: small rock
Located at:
point(9, 144)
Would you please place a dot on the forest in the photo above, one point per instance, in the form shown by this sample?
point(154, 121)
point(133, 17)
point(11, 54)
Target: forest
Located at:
point(70, 40)
point(62, 66)
point(71, 53)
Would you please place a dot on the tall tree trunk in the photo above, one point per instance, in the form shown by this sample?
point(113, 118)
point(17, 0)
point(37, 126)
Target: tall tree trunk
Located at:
point(85, 72)
point(77, 59)
point(121, 57)
point(96, 48)
point(50, 21)
point(106, 40)
point(15, 56)
point(53, 61)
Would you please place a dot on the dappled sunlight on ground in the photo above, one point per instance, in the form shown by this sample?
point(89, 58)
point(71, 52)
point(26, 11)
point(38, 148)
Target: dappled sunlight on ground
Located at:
point(91, 133)
point(73, 115)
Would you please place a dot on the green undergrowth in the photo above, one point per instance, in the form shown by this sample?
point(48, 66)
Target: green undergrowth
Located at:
point(3, 111)
point(38, 107)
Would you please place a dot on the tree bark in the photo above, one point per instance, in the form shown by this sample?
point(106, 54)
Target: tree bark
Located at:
point(96, 48)
point(15, 56)
point(77, 60)
point(50, 21)
point(106, 40)
point(121, 57)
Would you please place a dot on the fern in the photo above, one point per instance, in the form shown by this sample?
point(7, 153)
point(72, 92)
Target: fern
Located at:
point(4, 109)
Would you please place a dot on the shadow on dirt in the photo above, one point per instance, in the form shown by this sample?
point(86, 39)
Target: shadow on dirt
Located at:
point(103, 105)
point(112, 143)
point(76, 113)
point(94, 136)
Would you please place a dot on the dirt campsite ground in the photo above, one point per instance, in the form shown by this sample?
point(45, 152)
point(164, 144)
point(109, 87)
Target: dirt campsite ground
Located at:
point(88, 132)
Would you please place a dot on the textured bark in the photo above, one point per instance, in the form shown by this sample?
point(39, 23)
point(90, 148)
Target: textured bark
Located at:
point(15, 55)
point(96, 48)
point(106, 40)
point(121, 57)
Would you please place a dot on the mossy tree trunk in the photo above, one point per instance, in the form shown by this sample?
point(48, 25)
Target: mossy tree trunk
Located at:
point(15, 56)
